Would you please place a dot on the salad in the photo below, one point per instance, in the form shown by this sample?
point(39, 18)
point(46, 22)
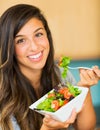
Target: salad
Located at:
point(61, 94)
point(58, 97)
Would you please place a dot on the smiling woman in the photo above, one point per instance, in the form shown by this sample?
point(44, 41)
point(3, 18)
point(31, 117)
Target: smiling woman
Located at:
point(28, 71)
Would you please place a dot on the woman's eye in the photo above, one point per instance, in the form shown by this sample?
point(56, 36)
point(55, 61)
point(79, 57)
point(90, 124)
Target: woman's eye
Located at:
point(20, 41)
point(39, 34)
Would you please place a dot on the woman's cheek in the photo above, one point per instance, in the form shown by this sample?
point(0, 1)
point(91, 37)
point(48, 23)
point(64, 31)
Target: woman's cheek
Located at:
point(20, 50)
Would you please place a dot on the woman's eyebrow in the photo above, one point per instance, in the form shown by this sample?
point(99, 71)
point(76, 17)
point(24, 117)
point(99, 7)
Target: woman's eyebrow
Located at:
point(18, 36)
point(38, 29)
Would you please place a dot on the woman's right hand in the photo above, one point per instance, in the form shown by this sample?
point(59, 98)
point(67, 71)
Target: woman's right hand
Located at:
point(51, 124)
point(89, 78)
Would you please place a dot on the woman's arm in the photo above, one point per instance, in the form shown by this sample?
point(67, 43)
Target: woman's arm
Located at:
point(86, 119)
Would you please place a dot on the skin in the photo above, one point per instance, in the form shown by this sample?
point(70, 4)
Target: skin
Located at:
point(31, 50)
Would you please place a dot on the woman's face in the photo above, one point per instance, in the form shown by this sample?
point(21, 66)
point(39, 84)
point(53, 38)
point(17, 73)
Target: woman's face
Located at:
point(32, 46)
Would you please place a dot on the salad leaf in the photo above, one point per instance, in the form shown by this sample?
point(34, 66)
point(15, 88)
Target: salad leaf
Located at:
point(64, 62)
point(73, 90)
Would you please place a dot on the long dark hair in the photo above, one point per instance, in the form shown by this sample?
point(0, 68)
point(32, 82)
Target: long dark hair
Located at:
point(16, 92)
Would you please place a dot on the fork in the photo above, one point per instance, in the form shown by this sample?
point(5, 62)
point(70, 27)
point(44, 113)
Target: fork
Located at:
point(87, 68)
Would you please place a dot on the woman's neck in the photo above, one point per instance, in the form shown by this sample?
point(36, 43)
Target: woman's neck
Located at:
point(33, 76)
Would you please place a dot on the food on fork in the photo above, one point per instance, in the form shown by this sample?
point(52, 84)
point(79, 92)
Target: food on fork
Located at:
point(63, 63)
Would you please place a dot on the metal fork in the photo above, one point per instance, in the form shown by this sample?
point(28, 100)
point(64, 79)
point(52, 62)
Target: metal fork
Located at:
point(79, 68)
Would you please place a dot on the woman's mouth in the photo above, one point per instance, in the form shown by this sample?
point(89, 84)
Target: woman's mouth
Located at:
point(36, 56)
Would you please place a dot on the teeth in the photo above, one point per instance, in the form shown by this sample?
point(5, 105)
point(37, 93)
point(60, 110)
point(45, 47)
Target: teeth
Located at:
point(35, 56)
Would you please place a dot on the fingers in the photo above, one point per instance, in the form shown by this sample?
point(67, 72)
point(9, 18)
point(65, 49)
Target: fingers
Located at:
point(55, 124)
point(96, 70)
point(89, 77)
point(51, 123)
point(87, 74)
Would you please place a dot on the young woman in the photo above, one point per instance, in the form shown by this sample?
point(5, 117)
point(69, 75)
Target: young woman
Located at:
point(28, 71)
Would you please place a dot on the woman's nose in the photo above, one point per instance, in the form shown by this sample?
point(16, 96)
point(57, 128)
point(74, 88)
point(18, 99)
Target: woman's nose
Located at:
point(33, 45)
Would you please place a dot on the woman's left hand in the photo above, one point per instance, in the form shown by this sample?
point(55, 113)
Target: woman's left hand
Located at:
point(89, 77)
point(53, 124)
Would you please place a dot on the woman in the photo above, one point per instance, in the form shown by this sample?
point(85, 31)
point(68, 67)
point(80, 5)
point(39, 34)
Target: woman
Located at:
point(28, 71)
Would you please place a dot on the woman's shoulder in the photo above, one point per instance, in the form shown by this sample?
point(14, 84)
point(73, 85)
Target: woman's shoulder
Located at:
point(14, 123)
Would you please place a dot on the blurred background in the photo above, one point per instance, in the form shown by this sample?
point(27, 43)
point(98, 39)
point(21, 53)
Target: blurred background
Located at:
point(75, 26)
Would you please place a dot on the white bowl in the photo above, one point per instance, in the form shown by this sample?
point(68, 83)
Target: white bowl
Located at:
point(63, 113)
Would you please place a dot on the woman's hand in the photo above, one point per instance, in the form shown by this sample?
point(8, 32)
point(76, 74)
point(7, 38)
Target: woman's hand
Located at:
point(51, 124)
point(89, 77)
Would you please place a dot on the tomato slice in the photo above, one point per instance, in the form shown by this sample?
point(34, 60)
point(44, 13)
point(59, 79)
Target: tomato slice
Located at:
point(62, 90)
point(67, 94)
point(55, 105)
